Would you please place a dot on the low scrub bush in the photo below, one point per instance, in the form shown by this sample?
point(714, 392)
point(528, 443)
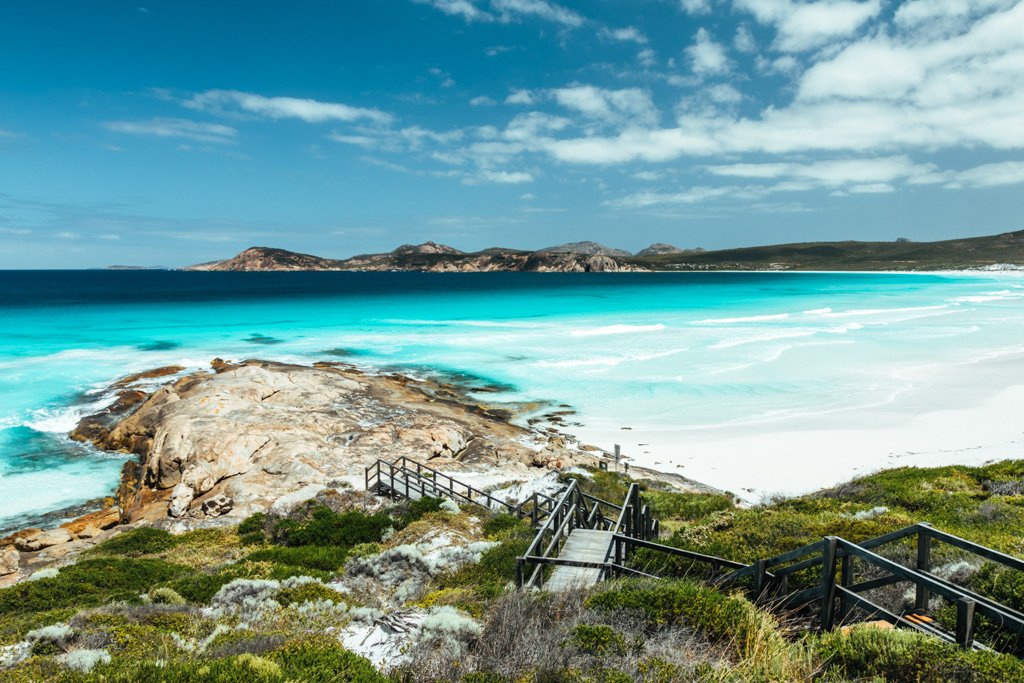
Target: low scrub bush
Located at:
point(141, 541)
point(323, 558)
point(323, 527)
point(868, 653)
point(670, 505)
point(88, 583)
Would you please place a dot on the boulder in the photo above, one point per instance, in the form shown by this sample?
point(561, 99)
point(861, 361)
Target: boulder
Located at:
point(216, 506)
point(181, 498)
point(9, 560)
point(43, 539)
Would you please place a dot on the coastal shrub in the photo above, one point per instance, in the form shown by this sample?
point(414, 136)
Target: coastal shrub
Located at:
point(671, 505)
point(598, 639)
point(298, 592)
point(200, 586)
point(868, 653)
point(490, 576)
point(604, 484)
point(501, 525)
point(323, 558)
point(166, 596)
point(322, 526)
point(50, 640)
point(414, 510)
point(323, 660)
point(253, 523)
point(715, 615)
point(1001, 584)
point(142, 541)
point(88, 583)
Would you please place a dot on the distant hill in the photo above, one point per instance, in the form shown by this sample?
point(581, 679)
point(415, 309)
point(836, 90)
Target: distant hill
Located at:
point(956, 254)
point(660, 248)
point(588, 248)
point(266, 258)
point(591, 257)
point(429, 257)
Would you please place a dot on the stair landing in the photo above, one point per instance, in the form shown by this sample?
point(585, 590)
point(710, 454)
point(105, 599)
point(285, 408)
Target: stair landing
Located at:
point(583, 545)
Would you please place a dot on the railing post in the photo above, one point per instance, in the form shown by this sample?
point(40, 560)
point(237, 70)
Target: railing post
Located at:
point(924, 564)
point(519, 572)
point(760, 577)
point(965, 623)
point(846, 578)
point(828, 582)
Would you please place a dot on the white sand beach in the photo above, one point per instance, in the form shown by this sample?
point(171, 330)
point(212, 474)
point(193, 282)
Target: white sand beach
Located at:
point(968, 414)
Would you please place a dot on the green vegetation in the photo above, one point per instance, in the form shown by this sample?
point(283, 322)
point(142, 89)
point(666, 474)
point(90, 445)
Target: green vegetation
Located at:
point(895, 255)
point(152, 607)
point(88, 583)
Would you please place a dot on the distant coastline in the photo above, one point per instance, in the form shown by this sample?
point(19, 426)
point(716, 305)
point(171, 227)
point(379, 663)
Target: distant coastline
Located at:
point(999, 253)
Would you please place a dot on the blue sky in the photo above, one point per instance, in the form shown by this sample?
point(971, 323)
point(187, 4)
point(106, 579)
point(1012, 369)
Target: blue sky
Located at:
point(167, 133)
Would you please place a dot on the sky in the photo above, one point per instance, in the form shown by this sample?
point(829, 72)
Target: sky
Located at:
point(169, 132)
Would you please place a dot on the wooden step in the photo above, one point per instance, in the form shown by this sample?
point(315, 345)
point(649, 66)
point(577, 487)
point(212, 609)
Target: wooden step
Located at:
point(583, 545)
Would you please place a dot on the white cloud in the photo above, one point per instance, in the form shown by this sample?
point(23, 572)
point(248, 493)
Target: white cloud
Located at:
point(482, 101)
point(462, 8)
point(878, 96)
point(524, 97)
point(647, 57)
point(629, 105)
point(998, 174)
point(507, 10)
point(409, 139)
point(365, 141)
point(499, 177)
point(806, 25)
point(648, 175)
point(542, 9)
point(630, 34)
point(831, 173)
point(696, 6)
point(724, 93)
point(744, 40)
point(872, 188)
point(310, 111)
point(942, 16)
point(707, 56)
point(992, 175)
point(175, 128)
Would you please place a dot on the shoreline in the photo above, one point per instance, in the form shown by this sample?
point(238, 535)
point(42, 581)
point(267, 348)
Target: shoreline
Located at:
point(960, 415)
point(209, 448)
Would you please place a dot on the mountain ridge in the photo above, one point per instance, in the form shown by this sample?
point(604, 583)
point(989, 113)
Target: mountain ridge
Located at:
point(990, 251)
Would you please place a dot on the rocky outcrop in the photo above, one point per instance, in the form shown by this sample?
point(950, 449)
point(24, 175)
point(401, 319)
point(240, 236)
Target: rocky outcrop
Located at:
point(227, 443)
point(439, 258)
point(266, 258)
point(586, 249)
point(659, 248)
point(9, 561)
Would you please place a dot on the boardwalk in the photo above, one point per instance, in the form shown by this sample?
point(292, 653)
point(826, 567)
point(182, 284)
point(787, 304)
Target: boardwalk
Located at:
point(583, 545)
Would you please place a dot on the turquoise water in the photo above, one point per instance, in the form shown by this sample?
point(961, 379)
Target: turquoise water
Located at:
point(691, 350)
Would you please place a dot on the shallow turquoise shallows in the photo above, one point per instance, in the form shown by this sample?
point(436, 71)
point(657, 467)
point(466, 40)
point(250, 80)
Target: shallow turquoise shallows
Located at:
point(687, 349)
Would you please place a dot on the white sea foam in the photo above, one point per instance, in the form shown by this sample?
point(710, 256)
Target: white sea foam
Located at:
point(609, 330)
point(742, 319)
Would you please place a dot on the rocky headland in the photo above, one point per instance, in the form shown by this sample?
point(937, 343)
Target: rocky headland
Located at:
point(434, 258)
point(211, 448)
point(992, 252)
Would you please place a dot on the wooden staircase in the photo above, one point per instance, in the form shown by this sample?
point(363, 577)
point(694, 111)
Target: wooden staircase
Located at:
point(582, 540)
